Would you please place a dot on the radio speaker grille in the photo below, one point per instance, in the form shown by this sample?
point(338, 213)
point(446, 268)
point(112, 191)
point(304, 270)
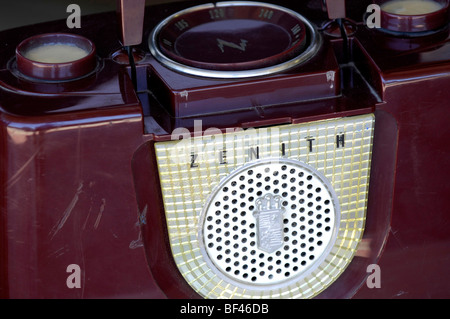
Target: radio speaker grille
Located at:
point(267, 213)
point(268, 222)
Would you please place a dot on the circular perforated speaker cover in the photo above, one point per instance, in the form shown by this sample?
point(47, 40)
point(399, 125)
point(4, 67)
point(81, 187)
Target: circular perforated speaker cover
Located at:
point(269, 223)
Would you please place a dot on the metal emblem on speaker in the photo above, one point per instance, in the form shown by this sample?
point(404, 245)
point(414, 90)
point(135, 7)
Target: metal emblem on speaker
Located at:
point(269, 221)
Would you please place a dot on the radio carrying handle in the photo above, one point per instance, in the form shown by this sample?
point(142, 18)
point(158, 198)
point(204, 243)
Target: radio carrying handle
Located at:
point(336, 11)
point(131, 20)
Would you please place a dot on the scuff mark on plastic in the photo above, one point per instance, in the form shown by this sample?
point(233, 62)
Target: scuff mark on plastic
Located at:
point(185, 94)
point(100, 213)
point(67, 212)
point(20, 171)
point(137, 243)
point(142, 220)
point(330, 78)
point(143, 216)
point(58, 252)
point(400, 293)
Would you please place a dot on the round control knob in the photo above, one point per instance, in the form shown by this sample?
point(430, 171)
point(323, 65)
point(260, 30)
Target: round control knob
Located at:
point(413, 16)
point(56, 57)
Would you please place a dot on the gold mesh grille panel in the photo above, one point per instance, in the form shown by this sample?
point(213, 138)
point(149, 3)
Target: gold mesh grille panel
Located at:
point(222, 251)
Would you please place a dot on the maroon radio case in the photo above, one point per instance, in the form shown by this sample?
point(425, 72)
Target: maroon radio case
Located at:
point(90, 176)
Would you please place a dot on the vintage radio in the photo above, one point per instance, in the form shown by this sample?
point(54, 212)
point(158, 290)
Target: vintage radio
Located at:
point(228, 150)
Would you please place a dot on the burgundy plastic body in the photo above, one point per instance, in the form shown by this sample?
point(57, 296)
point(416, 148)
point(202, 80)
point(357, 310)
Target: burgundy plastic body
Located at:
point(79, 181)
